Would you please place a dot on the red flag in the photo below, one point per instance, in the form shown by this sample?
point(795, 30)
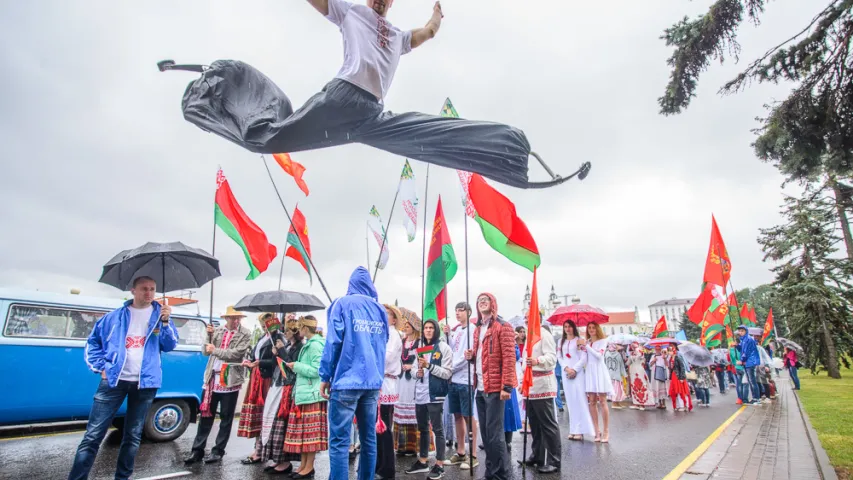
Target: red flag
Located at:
point(748, 313)
point(718, 267)
point(294, 169)
point(768, 328)
point(299, 251)
point(701, 306)
point(660, 328)
point(534, 336)
point(441, 267)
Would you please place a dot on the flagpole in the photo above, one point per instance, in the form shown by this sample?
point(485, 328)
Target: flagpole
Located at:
point(212, 254)
point(367, 243)
point(387, 226)
point(289, 219)
point(423, 251)
point(468, 334)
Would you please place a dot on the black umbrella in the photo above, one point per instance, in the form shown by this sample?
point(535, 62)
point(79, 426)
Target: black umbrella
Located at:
point(174, 266)
point(281, 301)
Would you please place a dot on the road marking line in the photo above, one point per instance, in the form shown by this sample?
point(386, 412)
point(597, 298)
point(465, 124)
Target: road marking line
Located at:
point(168, 475)
point(47, 434)
point(695, 454)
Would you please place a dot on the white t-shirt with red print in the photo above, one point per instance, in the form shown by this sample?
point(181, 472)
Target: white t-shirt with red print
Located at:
point(134, 343)
point(372, 46)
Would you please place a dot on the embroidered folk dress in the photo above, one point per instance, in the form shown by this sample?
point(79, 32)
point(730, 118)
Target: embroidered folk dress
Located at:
point(574, 389)
point(597, 378)
point(641, 394)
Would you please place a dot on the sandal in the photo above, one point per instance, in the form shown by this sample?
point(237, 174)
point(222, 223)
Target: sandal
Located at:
point(250, 461)
point(597, 437)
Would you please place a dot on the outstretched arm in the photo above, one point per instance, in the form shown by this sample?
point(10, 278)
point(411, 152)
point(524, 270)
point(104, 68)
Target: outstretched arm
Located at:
point(321, 6)
point(421, 35)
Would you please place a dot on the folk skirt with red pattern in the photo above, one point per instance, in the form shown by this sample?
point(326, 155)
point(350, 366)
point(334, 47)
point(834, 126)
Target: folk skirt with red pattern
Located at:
point(307, 429)
point(252, 412)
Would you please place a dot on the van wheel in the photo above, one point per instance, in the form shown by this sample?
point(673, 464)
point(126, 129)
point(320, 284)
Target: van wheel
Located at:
point(166, 420)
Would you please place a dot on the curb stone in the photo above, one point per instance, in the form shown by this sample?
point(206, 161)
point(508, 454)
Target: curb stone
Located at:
point(827, 472)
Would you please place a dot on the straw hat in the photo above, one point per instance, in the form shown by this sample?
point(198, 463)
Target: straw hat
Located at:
point(230, 312)
point(412, 318)
point(397, 314)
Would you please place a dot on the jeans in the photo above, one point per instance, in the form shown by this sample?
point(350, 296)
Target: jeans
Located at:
point(426, 414)
point(753, 383)
point(721, 380)
point(343, 405)
point(490, 410)
point(227, 403)
point(741, 388)
point(559, 398)
point(106, 404)
point(703, 395)
point(795, 377)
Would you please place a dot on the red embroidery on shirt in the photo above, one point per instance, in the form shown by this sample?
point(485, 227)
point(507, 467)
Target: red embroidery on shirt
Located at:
point(134, 342)
point(382, 31)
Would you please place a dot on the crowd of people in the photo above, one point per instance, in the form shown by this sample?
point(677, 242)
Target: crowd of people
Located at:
point(384, 384)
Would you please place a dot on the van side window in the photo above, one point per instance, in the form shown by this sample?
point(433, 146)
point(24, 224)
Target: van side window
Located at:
point(190, 331)
point(49, 322)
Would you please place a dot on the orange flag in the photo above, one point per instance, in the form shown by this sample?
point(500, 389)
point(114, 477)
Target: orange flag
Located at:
point(718, 267)
point(294, 169)
point(534, 335)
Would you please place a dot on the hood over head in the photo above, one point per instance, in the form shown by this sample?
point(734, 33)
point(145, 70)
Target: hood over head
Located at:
point(360, 283)
point(437, 337)
point(494, 306)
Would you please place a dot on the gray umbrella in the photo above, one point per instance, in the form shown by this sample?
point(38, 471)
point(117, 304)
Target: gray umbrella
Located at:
point(173, 265)
point(696, 354)
point(790, 344)
point(280, 301)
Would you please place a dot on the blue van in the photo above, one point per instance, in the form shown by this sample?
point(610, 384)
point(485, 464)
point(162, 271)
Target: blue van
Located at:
point(44, 377)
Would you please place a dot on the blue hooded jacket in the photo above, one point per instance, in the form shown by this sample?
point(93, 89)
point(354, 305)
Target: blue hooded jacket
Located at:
point(354, 356)
point(748, 351)
point(105, 349)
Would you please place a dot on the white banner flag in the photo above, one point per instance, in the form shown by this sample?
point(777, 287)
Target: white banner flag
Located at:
point(409, 200)
point(374, 221)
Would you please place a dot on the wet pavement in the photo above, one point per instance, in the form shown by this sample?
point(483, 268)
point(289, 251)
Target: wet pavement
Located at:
point(643, 445)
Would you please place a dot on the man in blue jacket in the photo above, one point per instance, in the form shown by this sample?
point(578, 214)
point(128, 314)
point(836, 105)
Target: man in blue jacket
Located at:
point(353, 366)
point(124, 349)
point(750, 359)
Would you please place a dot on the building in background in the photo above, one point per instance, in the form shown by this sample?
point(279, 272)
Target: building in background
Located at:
point(624, 322)
point(672, 309)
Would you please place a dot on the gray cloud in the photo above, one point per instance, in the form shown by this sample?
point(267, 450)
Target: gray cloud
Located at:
point(97, 158)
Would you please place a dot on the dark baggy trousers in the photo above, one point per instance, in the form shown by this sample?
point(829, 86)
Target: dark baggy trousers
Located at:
point(385, 461)
point(545, 431)
point(227, 403)
point(431, 413)
point(490, 413)
point(239, 103)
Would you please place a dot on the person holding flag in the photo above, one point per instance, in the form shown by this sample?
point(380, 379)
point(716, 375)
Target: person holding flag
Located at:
point(539, 389)
point(750, 359)
point(435, 363)
point(459, 397)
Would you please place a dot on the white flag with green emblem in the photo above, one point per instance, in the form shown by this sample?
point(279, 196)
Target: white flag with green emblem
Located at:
point(374, 221)
point(409, 200)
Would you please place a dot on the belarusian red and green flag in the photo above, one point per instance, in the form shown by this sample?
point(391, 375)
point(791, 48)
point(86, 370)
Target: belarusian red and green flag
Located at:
point(768, 329)
point(712, 335)
point(747, 313)
point(661, 329)
point(230, 217)
point(441, 268)
point(501, 227)
point(299, 247)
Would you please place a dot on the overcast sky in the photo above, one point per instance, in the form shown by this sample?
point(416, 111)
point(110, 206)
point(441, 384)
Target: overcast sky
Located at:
point(97, 158)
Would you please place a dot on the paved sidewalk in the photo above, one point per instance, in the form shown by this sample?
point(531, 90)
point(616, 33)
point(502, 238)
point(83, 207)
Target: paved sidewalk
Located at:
point(773, 441)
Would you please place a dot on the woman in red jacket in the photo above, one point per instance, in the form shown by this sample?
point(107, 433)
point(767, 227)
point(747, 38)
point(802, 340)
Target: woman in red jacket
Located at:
point(791, 361)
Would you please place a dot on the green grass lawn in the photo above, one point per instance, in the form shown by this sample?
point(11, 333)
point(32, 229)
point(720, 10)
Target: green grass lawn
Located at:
point(829, 404)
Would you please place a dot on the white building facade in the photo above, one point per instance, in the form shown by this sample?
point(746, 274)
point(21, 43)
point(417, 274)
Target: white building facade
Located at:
point(672, 309)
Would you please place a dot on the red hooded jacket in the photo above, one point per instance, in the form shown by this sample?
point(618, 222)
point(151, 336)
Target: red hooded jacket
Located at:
point(498, 352)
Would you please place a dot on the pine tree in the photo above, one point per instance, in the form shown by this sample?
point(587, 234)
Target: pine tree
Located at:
point(761, 298)
point(691, 330)
point(813, 284)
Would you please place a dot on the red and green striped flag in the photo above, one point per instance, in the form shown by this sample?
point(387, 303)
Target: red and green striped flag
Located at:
point(230, 217)
point(501, 227)
point(426, 350)
point(712, 335)
point(297, 238)
point(224, 373)
point(661, 329)
point(768, 329)
point(441, 268)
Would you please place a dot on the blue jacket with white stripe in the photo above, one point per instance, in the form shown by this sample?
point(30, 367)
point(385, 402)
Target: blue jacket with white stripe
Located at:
point(106, 352)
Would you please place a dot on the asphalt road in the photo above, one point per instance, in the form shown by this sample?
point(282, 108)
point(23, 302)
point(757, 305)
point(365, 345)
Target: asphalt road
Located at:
point(643, 445)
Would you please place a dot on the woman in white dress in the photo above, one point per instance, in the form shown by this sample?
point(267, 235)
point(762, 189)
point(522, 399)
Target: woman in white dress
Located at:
point(598, 383)
point(572, 363)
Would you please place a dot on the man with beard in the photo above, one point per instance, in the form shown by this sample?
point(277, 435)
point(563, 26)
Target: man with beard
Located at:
point(493, 354)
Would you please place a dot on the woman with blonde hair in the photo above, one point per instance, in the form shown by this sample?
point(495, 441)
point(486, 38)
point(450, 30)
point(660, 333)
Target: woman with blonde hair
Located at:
point(598, 382)
point(308, 423)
